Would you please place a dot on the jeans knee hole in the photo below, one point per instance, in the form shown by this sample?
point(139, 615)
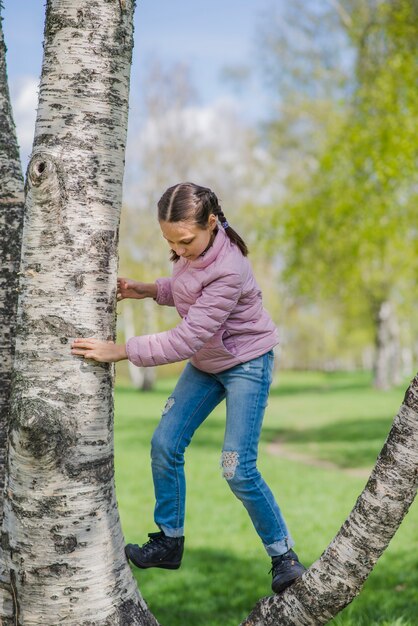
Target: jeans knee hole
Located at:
point(168, 405)
point(229, 463)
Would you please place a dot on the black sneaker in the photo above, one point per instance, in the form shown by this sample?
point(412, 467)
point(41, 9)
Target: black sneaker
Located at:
point(159, 551)
point(285, 569)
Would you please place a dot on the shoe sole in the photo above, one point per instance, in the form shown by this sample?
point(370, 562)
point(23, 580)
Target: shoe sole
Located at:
point(284, 584)
point(160, 564)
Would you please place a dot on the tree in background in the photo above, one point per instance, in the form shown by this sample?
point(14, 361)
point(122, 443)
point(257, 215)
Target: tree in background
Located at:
point(349, 234)
point(61, 536)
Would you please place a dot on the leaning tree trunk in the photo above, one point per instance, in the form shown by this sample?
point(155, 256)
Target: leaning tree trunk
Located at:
point(61, 532)
point(336, 578)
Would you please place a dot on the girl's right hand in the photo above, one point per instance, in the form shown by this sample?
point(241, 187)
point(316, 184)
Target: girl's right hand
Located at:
point(127, 288)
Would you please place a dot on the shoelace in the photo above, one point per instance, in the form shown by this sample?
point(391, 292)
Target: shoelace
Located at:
point(275, 566)
point(154, 538)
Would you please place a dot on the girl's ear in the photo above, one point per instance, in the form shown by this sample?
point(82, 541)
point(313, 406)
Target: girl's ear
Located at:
point(212, 222)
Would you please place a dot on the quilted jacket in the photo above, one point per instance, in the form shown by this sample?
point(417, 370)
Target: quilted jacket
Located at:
point(223, 320)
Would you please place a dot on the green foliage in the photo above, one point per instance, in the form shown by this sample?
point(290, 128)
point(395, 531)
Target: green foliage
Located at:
point(351, 228)
point(225, 569)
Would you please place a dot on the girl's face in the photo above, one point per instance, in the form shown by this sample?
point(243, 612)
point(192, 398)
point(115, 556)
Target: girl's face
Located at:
point(187, 238)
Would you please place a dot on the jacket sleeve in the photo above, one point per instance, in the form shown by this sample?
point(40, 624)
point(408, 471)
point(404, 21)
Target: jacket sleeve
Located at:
point(203, 319)
point(164, 292)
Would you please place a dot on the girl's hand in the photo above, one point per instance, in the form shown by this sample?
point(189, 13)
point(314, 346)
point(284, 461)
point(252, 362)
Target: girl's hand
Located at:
point(127, 288)
point(98, 350)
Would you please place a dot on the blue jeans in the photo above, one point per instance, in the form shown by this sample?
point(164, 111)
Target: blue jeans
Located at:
point(245, 387)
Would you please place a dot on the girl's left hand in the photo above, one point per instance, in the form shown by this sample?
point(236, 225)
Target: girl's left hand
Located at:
point(98, 350)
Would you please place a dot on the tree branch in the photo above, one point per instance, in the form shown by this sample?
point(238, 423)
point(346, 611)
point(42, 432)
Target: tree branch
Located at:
point(337, 577)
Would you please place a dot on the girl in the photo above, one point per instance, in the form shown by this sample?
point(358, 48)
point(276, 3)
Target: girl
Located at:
point(229, 339)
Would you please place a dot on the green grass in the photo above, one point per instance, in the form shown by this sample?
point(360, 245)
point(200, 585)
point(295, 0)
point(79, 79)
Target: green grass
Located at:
point(336, 417)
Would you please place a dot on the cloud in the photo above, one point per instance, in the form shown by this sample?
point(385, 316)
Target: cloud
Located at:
point(211, 144)
point(24, 97)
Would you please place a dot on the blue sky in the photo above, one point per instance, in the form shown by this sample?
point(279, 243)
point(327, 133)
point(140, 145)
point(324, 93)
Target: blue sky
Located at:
point(206, 35)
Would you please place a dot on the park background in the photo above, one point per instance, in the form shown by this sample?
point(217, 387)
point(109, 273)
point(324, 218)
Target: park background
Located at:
point(303, 119)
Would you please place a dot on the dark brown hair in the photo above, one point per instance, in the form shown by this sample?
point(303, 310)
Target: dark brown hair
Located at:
point(187, 201)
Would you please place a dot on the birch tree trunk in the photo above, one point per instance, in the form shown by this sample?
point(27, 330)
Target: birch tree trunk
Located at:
point(11, 218)
point(135, 373)
point(388, 350)
point(141, 377)
point(61, 533)
point(337, 577)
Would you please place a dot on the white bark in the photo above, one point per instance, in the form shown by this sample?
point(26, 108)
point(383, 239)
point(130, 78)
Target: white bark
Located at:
point(61, 532)
point(387, 364)
point(11, 219)
point(337, 577)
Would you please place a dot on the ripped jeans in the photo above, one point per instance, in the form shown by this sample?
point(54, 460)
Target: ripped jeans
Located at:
point(245, 387)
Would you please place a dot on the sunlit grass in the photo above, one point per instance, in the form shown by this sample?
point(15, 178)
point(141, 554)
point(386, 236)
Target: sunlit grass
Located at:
point(338, 417)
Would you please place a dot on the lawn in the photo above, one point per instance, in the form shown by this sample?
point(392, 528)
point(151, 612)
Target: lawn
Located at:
point(337, 418)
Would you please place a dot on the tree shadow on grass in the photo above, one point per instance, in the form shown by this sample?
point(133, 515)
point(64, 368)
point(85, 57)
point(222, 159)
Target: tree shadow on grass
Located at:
point(354, 443)
point(328, 382)
point(282, 390)
point(349, 431)
point(215, 588)
point(212, 588)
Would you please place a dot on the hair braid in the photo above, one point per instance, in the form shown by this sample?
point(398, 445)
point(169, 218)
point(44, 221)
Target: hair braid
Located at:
point(189, 201)
point(232, 234)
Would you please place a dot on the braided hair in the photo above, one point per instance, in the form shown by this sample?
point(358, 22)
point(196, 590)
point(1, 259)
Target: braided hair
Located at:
point(187, 201)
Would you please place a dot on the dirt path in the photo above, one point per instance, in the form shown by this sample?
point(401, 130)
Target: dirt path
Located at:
point(279, 449)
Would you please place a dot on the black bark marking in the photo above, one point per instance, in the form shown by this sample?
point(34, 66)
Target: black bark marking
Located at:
point(46, 430)
point(16, 608)
point(54, 22)
point(78, 280)
point(68, 591)
point(51, 506)
point(98, 470)
point(105, 244)
point(47, 139)
point(56, 570)
point(129, 613)
point(5, 541)
point(56, 326)
point(64, 545)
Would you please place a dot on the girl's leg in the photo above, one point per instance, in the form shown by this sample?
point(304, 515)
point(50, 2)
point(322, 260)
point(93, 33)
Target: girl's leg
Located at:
point(194, 397)
point(247, 387)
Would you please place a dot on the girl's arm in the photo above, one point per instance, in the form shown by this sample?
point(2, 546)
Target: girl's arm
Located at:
point(108, 351)
point(160, 290)
point(99, 350)
point(128, 288)
point(203, 320)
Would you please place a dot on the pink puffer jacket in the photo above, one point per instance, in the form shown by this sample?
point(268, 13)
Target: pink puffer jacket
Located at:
point(223, 320)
